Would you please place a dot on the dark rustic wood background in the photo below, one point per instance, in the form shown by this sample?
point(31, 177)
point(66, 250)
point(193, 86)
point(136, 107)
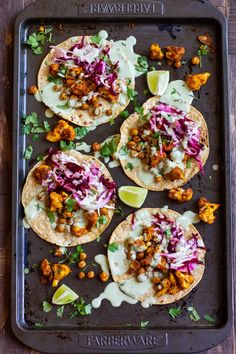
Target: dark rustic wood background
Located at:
point(8, 11)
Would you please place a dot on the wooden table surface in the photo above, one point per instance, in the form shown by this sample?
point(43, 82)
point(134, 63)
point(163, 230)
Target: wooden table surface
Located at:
point(8, 11)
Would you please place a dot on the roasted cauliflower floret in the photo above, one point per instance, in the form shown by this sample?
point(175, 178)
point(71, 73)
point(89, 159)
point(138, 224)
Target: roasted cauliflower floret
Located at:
point(107, 94)
point(42, 172)
point(83, 88)
point(175, 173)
point(174, 55)
point(206, 210)
point(60, 271)
point(62, 131)
point(184, 280)
point(157, 158)
point(76, 71)
point(166, 284)
point(45, 269)
point(181, 195)
point(54, 68)
point(56, 201)
point(196, 81)
point(155, 52)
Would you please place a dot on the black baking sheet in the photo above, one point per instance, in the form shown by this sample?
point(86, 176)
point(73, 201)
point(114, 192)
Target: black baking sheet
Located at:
point(213, 294)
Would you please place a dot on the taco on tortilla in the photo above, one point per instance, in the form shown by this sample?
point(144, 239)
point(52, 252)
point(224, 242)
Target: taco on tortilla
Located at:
point(69, 198)
point(157, 259)
point(162, 146)
point(89, 80)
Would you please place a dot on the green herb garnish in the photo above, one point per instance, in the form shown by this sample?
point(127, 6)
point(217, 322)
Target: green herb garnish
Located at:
point(60, 311)
point(73, 257)
point(28, 152)
point(64, 146)
point(36, 41)
point(129, 166)
point(123, 150)
point(142, 64)
point(70, 203)
point(175, 92)
point(35, 137)
point(146, 92)
point(81, 308)
point(202, 51)
point(167, 233)
point(55, 79)
point(124, 114)
point(131, 93)
point(113, 247)
point(96, 39)
point(102, 220)
point(81, 132)
point(174, 311)
point(46, 306)
point(40, 158)
point(119, 211)
point(112, 121)
point(144, 324)
point(50, 215)
point(188, 164)
point(64, 106)
point(208, 318)
point(109, 148)
point(194, 316)
point(39, 324)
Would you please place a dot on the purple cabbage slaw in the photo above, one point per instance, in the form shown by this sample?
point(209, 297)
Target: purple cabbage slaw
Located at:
point(181, 129)
point(85, 182)
point(101, 70)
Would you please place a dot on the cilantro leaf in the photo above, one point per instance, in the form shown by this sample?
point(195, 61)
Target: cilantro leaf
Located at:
point(70, 203)
point(142, 64)
point(46, 126)
point(112, 122)
point(60, 311)
point(174, 311)
point(81, 132)
point(167, 233)
point(81, 308)
point(131, 93)
point(50, 215)
point(129, 166)
point(31, 118)
point(109, 148)
point(36, 41)
point(96, 39)
point(188, 164)
point(26, 129)
point(119, 211)
point(46, 306)
point(113, 247)
point(123, 150)
point(28, 152)
point(102, 220)
point(194, 316)
point(39, 324)
point(35, 137)
point(39, 158)
point(208, 318)
point(56, 80)
point(64, 146)
point(64, 106)
point(124, 114)
point(144, 324)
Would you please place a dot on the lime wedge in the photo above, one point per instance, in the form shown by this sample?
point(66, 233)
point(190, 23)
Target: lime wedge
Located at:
point(132, 196)
point(158, 81)
point(64, 295)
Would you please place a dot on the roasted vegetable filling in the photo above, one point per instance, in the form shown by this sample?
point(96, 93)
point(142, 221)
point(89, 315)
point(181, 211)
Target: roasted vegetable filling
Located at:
point(163, 254)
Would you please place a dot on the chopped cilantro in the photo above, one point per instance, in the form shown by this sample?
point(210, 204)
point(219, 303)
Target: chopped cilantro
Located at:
point(188, 164)
point(146, 92)
point(63, 70)
point(174, 311)
point(26, 129)
point(26, 270)
point(208, 318)
point(64, 106)
point(167, 233)
point(56, 80)
point(109, 148)
point(60, 311)
point(46, 306)
point(113, 247)
point(81, 132)
point(175, 92)
point(123, 150)
point(142, 64)
point(28, 152)
point(73, 257)
point(46, 126)
point(70, 203)
point(39, 158)
point(35, 137)
point(96, 39)
point(112, 121)
point(131, 93)
point(194, 316)
point(36, 41)
point(152, 68)
point(129, 166)
point(156, 135)
point(119, 211)
point(31, 118)
point(50, 215)
point(38, 324)
point(124, 114)
point(202, 51)
point(81, 308)
point(101, 220)
point(64, 146)
point(144, 324)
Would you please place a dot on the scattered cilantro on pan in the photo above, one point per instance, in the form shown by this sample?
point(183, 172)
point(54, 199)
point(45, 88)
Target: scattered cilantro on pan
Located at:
point(64, 146)
point(208, 318)
point(112, 121)
point(194, 316)
point(144, 324)
point(73, 257)
point(28, 152)
point(37, 40)
point(174, 311)
point(26, 270)
point(46, 126)
point(113, 247)
point(96, 39)
point(146, 92)
point(55, 79)
point(142, 64)
point(140, 111)
point(81, 308)
point(119, 211)
point(70, 203)
point(40, 158)
point(64, 106)
point(123, 150)
point(109, 148)
point(81, 132)
point(32, 125)
point(202, 51)
point(129, 166)
point(60, 311)
point(39, 324)
point(102, 220)
point(124, 114)
point(35, 137)
point(46, 306)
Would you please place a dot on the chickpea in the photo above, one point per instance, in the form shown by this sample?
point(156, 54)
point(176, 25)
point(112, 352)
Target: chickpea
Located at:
point(109, 112)
point(57, 252)
point(131, 144)
point(96, 146)
point(82, 256)
point(92, 218)
point(195, 60)
point(96, 111)
point(158, 179)
point(140, 255)
point(81, 275)
point(141, 270)
point(104, 211)
point(61, 221)
point(82, 264)
point(41, 29)
point(177, 64)
point(32, 90)
point(56, 88)
point(133, 131)
point(156, 280)
point(104, 276)
point(67, 214)
point(90, 274)
point(60, 228)
point(84, 106)
point(96, 105)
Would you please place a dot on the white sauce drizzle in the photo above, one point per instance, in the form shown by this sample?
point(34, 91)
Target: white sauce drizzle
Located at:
point(83, 147)
point(113, 294)
point(178, 95)
point(215, 167)
point(187, 218)
point(102, 260)
point(113, 164)
point(25, 223)
point(33, 208)
point(118, 261)
point(49, 113)
point(37, 96)
point(136, 289)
